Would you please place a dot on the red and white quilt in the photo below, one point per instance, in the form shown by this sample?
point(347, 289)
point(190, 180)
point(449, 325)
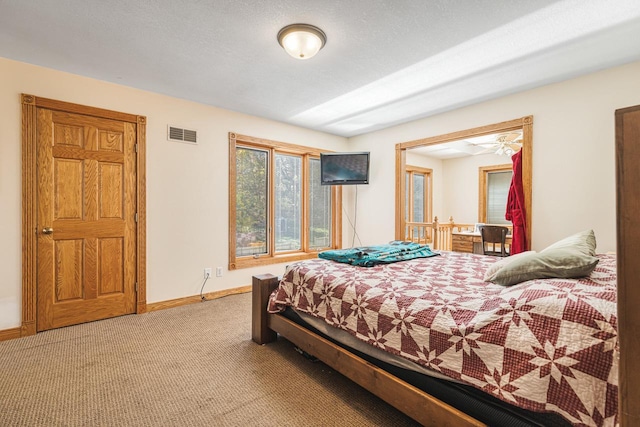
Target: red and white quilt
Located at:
point(547, 345)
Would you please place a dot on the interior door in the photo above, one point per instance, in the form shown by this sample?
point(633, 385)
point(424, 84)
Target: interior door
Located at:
point(86, 218)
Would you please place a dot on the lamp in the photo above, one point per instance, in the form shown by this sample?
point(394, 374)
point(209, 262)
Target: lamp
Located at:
point(302, 41)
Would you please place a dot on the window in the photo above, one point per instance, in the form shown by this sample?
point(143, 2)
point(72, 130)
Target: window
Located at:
point(494, 189)
point(278, 211)
point(418, 200)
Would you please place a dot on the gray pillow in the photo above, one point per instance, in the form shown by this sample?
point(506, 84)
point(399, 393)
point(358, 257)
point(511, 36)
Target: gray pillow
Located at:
point(498, 265)
point(585, 242)
point(568, 258)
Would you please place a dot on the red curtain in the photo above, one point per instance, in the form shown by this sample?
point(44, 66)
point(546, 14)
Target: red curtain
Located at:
point(515, 207)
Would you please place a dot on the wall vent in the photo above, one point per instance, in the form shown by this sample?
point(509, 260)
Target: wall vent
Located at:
point(181, 135)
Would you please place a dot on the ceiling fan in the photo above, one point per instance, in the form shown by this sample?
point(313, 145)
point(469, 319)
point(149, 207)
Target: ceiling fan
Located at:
point(504, 144)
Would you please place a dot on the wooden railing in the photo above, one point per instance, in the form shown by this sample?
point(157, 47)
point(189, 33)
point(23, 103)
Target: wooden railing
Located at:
point(436, 234)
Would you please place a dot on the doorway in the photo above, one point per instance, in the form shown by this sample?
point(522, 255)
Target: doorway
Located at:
point(523, 125)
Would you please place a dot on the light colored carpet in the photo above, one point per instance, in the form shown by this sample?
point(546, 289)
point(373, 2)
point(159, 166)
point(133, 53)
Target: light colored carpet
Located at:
point(188, 366)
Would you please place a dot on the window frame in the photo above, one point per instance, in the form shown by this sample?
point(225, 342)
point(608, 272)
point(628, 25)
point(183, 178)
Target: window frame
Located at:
point(410, 171)
point(428, 191)
point(273, 257)
point(483, 173)
point(523, 123)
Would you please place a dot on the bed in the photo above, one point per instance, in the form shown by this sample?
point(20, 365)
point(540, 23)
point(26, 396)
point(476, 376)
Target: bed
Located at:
point(543, 347)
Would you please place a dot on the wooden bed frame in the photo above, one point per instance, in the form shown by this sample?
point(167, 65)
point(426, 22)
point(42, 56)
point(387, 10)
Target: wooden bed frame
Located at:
point(414, 402)
point(430, 411)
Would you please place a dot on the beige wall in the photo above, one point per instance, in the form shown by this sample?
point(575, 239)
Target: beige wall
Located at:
point(461, 186)
point(573, 154)
point(187, 185)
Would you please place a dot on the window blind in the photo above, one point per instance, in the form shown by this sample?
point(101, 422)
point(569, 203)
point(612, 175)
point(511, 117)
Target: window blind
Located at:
point(497, 191)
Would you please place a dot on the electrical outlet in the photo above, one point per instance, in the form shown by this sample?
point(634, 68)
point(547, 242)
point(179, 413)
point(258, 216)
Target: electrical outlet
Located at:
point(207, 273)
point(218, 271)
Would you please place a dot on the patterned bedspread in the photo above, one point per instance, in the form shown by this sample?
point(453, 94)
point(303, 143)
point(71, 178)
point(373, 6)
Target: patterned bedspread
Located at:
point(547, 345)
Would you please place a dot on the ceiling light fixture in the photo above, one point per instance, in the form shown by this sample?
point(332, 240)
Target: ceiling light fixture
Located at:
point(302, 41)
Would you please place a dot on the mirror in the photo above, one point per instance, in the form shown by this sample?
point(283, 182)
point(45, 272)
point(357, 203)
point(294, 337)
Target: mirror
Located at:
point(472, 156)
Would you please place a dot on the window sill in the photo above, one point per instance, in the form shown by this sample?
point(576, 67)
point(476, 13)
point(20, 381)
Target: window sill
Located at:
point(247, 262)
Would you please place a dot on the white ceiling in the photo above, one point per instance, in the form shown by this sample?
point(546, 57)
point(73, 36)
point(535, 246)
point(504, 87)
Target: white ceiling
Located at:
point(385, 61)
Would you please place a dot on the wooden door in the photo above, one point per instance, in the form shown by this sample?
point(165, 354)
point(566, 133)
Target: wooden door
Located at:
point(86, 218)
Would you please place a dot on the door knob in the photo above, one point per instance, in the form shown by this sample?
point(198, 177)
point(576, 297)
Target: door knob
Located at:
point(47, 230)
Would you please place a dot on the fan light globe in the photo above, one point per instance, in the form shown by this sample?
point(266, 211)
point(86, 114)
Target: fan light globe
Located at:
point(301, 41)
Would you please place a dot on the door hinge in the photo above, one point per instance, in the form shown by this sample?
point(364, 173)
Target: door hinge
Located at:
point(136, 147)
point(136, 217)
point(136, 286)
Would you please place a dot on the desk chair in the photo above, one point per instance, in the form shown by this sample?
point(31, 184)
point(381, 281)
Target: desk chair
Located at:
point(494, 240)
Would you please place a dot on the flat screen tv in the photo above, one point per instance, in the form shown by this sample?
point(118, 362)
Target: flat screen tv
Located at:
point(344, 168)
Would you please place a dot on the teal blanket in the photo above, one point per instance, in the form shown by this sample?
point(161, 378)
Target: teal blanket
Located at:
point(368, 256)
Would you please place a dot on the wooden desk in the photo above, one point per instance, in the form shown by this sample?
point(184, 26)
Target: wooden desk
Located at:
point(471, 242)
